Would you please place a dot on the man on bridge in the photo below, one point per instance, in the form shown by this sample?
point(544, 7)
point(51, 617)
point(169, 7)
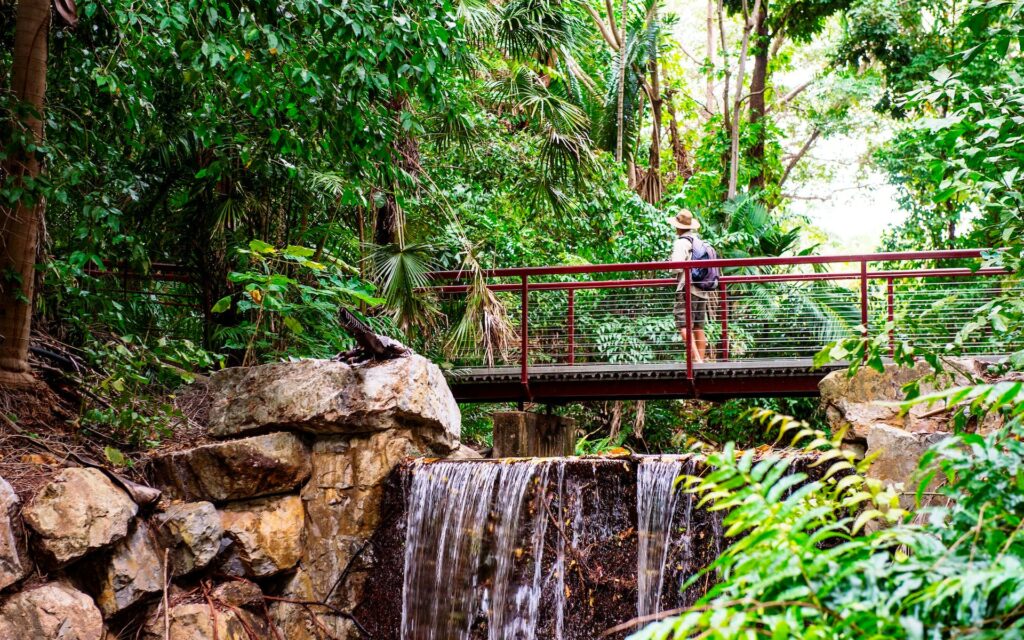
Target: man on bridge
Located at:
point(703, 282)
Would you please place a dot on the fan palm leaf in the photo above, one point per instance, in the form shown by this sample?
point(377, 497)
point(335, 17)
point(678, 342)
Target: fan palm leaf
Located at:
point(402, 273)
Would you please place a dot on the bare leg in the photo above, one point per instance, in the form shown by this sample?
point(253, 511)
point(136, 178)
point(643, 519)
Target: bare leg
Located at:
point(701, 342)
point(695, 354)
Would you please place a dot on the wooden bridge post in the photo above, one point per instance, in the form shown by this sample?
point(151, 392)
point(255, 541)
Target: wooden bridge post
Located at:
point(864, 302)
point(891, 304)
point(523, 434)
point(524, 331)
point(571, 322)
point(689, 325)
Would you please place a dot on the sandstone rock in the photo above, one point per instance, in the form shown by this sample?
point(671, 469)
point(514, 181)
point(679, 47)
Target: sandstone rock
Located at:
point(200, 622)
point(320, 396)
point(464, 453)
point(131, 572)
point(867, 398)
point(53, 611)
point(235, 470)
point(267, 533)
point(238, 593)
point(295, 622)
point(343, 498)
point(192, 531)
point(79, 511)
point(899, 452)
point(14, 561)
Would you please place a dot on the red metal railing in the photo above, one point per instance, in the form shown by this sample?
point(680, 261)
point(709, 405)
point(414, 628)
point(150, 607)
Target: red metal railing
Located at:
point(768, 308)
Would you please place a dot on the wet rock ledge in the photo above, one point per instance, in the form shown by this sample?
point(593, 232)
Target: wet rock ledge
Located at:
point(260, 529)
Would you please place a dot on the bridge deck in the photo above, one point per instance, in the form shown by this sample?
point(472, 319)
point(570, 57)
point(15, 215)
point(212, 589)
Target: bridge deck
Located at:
point(713, 380)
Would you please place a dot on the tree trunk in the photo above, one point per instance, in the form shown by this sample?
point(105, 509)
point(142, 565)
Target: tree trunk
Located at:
point(389, 221)
point(758, 85)
point(385, 221)
point(734, 146)
point(684, 168)
point(619, 119)
point(726, 118)
point(710, 61)
point(19, 232)
point(651, 187)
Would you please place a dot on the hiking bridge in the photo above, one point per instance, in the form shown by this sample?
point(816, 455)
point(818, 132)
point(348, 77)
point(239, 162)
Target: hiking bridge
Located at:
point(586, 332)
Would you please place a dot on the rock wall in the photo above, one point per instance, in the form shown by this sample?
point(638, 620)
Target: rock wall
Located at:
point(261, 534)
point(867, 405)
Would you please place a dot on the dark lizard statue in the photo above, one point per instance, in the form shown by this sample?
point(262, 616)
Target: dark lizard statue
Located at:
point(369, 345)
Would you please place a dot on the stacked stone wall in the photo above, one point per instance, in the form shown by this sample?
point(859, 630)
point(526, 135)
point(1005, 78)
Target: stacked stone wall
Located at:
point(261, 534)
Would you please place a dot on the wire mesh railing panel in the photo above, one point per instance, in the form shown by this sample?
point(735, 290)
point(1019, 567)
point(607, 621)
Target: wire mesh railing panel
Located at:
point(764, 312)
point(942, 314)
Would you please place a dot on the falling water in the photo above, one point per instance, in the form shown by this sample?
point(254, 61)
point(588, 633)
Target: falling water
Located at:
point(567, 525)
point(509, 550)
point(463, 558)
point(656, 498)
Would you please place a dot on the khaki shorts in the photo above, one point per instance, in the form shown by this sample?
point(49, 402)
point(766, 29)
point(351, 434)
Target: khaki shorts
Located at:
point(701, 306)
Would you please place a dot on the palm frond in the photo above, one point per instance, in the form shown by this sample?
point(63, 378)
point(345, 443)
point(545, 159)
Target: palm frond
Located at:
point(535, 28)
point(479, 19)
point(402, 273)
point(484, 327)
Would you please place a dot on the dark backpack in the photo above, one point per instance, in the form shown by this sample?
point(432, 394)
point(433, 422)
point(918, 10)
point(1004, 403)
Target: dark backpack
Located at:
point(704, 278)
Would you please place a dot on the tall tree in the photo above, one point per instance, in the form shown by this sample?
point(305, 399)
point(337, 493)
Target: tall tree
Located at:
point(771, 26)
point(20, 220)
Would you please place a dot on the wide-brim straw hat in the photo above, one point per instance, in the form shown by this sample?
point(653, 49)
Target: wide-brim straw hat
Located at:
point(684, 221)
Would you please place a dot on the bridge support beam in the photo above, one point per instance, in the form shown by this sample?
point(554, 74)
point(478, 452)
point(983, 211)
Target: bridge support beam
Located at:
point(522, 434)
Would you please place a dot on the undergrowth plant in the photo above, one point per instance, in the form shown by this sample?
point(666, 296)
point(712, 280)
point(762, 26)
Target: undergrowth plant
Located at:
point(290, 301)
point(837, 557)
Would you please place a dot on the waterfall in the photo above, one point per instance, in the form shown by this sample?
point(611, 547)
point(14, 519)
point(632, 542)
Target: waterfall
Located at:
point(464, 558)
point(656, 498)
point(557, 548)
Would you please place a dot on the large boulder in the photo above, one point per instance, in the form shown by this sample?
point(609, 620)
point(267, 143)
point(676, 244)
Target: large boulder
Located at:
point(234, 470)
point(14, 561)
point(343, 501)
point(201, 622)
point(79, 511)
point(266, 533)
point(870, 397)
point(297, 622)
point(128, 574)
point(192, 532)
point(899, 453)
point(53, 611)
point(322, 396)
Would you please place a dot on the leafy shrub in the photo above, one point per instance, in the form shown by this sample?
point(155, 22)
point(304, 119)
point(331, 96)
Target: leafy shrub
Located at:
point(290, 303)
point(805, 563)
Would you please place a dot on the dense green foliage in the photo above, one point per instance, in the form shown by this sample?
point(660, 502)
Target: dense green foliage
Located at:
point(220, 178)
point(839, 558)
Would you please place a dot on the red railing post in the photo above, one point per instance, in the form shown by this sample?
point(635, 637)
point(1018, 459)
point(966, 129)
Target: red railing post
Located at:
point(524, 327)
point(724, 302)
point(891, 304)
point(864, 301)
point(689, 324)
point(571, 322)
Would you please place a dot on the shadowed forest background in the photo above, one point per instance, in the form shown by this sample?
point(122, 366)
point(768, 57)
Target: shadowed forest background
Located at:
point(277, 160)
